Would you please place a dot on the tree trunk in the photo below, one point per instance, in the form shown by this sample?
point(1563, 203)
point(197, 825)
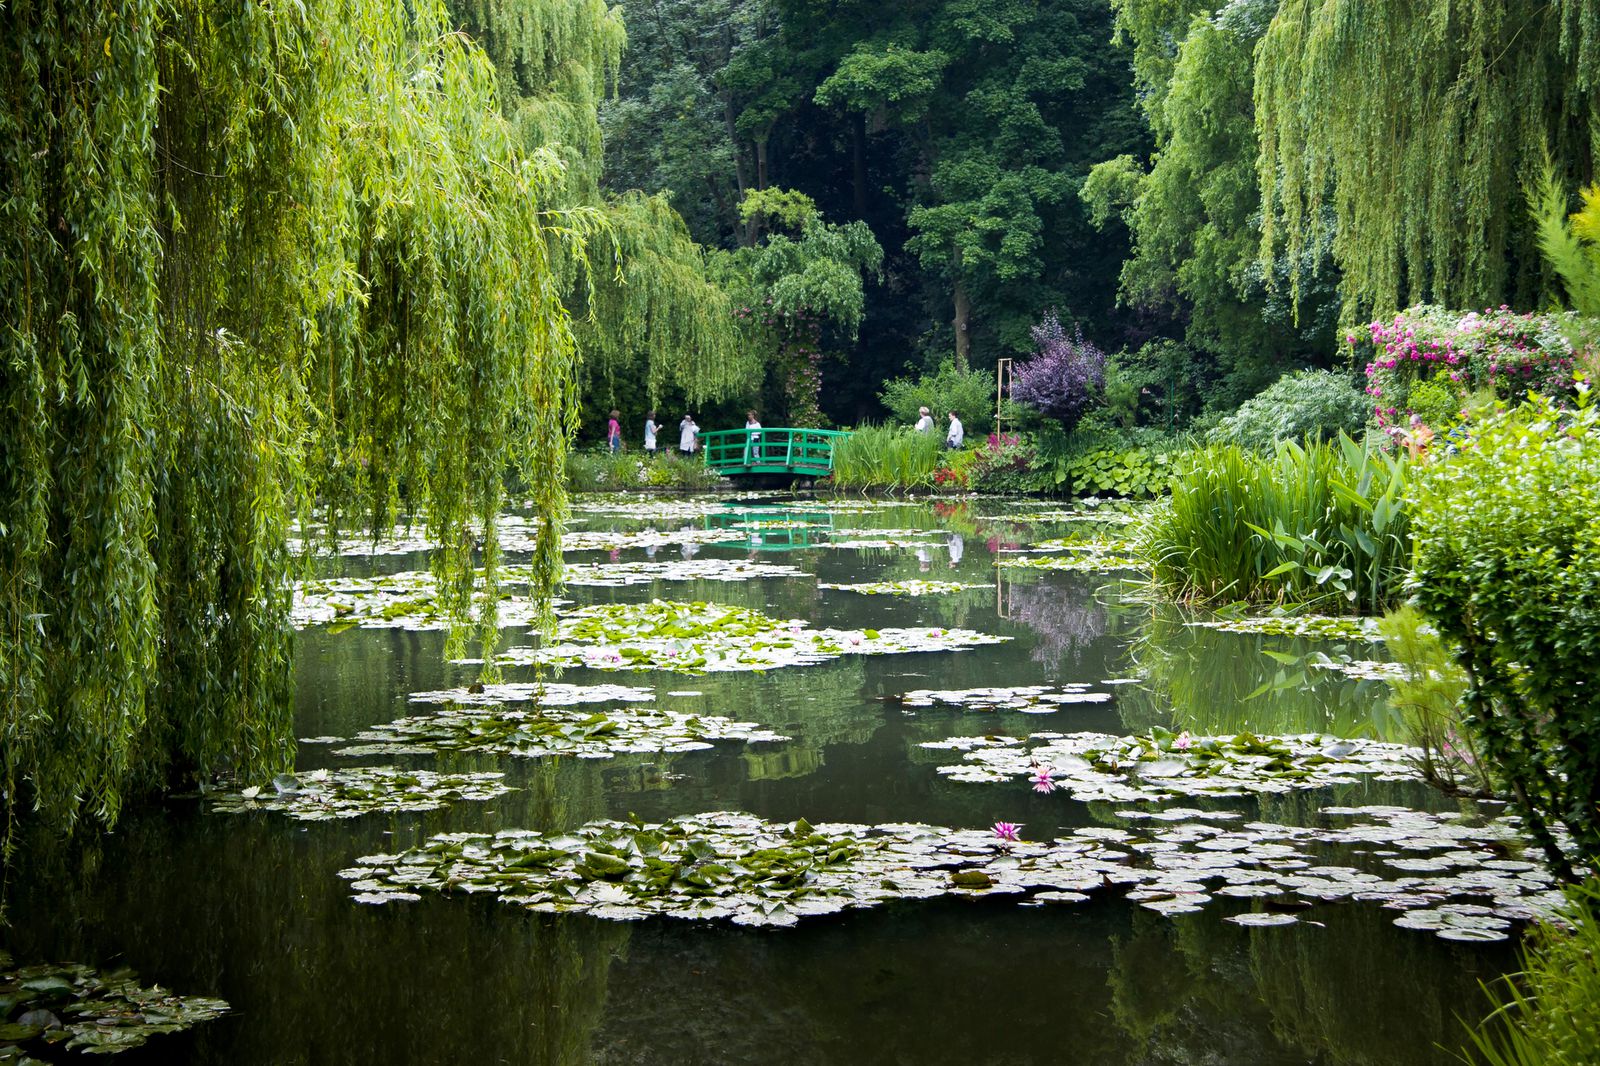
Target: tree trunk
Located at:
point(963, 313)
point(858, 160)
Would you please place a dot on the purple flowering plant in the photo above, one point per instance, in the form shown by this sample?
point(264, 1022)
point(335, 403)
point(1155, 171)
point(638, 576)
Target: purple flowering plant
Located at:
point(1066, 376)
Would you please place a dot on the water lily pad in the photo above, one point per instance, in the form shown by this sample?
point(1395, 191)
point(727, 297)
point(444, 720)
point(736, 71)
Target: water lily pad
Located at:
point(695, 638)
point(1033, 699)
point(82, 1009)
point(903, 588)
point(322, 795)
point(1258, 919)
point(542, 731)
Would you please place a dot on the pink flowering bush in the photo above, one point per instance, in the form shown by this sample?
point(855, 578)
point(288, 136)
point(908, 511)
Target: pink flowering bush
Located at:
point(1427, 358)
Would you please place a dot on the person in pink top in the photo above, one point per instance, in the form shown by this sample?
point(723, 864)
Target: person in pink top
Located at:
point(614, 433)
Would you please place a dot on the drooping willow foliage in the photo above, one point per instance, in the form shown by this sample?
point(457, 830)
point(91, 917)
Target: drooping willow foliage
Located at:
point(639, 292)
point(1412, 130)
point(253, 256)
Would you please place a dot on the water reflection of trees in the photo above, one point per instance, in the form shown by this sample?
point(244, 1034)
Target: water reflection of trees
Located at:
point(1065, 623)
point(1208, 681)
point(1352, 989)
point(249, 909)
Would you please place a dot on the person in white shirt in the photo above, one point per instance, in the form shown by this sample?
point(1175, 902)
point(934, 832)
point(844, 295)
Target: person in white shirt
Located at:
point(688, 435)
point(957, 435)
point(752, 444)
point(924, 421)
point(650, 431)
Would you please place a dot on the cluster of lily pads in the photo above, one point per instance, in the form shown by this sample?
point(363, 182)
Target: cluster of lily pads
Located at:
point(612, 540)
point(698, 638)
point(323, 795)
point(1311, 626)
point(405, 600)
point(1163, 765)
point(616, 575)
point(1029, 699)
point(550, 731)
point(1088, 562)
point(902, 588)
point(76, 1008)
point(724, 865)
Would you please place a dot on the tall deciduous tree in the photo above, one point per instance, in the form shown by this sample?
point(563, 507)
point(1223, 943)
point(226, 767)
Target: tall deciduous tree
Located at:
point(251, 256)
point(1406, 135)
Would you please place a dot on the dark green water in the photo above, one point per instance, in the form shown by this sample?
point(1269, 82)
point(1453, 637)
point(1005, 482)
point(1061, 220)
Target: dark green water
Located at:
point(249, 908)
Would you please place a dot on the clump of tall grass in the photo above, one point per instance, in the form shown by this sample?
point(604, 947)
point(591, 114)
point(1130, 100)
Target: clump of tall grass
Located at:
point(1549, 1015)
point(886, 457)
point(1317, 525)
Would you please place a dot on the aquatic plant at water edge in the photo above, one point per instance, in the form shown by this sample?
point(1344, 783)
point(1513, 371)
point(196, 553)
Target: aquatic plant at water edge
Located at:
point(1316, 525)
point(886, 457)
point(1549, 1014)
point(1508, 569)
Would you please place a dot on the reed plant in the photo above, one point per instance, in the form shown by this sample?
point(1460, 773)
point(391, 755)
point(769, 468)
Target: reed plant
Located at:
point(886, 457)
point(1322, 526)
point(1549, 1015)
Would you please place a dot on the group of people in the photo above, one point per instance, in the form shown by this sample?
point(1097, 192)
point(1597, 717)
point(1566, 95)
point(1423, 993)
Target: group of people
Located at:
point(688, 434)
point(954, 436)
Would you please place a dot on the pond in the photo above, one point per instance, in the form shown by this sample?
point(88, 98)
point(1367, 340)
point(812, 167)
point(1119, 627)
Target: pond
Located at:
point(895, 606)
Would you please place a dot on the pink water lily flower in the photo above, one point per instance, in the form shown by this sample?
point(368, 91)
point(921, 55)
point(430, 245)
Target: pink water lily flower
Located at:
point(1042, 781)
point(1007, 832)
point(1183, 741)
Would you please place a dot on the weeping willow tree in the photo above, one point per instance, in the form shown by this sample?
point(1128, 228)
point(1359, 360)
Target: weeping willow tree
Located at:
point(644, 307)
point(1407, 134)
point(253, 257)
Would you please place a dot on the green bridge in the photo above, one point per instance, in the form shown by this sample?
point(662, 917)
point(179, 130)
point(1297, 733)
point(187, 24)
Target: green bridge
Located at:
point(806, 453)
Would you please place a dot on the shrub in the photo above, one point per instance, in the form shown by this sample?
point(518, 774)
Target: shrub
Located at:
point(1508, 568)
point(886, 457)
point(1065, 378)
point(1549, 1015)
point(1003, 463)
point(1497, 349)
point(600, 471)
point(1311, 404)
point(1318, 525)
point(969, 393)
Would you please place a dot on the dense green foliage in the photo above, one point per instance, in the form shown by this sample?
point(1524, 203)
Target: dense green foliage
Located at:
point(1508, 568)
point(958, 135)
point(1312, 404)
point(969, 393)
point(1323, 526)
point(601, 471)
point(1194, 214)
point(252, 256)
point(1549, 1015)
point(1403, 136)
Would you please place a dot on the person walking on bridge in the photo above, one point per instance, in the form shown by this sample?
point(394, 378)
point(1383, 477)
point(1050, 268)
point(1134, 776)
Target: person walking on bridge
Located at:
point(688, 435)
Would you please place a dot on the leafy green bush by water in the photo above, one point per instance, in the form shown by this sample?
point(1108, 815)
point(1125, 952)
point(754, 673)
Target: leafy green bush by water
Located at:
point(600, 471)
point(1549, 1015)
point(1314, 404)
point(969, 393)
point(1318, 525)
point(886, 457)
point(1508, 569)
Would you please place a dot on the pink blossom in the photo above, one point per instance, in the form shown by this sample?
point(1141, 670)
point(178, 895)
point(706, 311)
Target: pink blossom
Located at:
point(1007, 832)
point(1042, 781)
